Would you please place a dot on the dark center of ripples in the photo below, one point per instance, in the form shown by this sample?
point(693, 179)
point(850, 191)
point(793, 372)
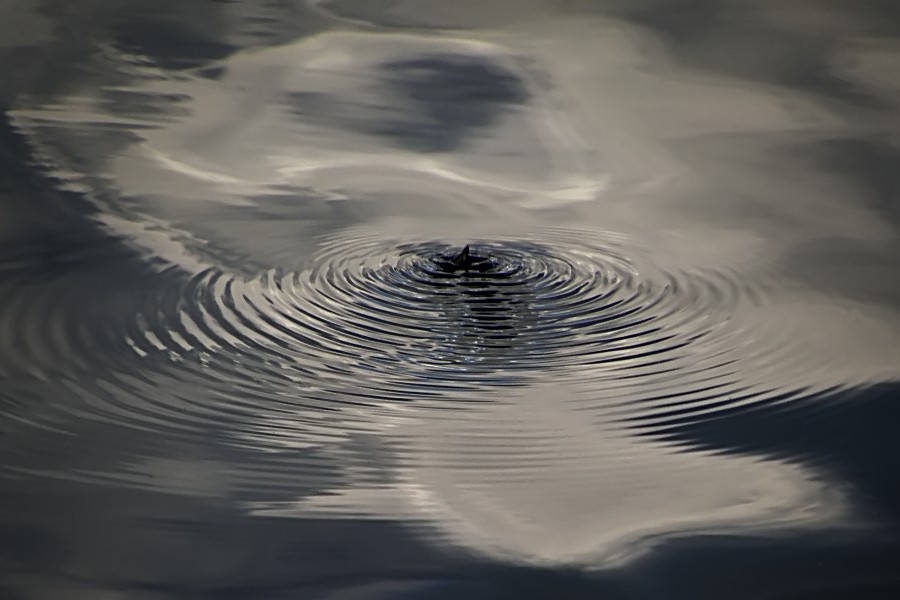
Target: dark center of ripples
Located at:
point(465, 261)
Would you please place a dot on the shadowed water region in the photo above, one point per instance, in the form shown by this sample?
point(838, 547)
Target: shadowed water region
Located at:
point(406, 299)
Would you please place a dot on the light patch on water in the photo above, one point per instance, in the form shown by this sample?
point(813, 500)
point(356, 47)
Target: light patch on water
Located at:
point(538, 478)
point(241, 127)
point(336, 117)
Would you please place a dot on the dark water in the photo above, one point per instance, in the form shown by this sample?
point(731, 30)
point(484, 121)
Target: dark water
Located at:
point(235, 363)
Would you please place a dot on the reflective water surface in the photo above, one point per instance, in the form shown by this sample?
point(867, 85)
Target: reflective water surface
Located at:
point(238, 360)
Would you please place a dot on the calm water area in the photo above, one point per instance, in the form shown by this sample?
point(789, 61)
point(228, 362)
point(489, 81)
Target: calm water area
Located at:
point(243, 357)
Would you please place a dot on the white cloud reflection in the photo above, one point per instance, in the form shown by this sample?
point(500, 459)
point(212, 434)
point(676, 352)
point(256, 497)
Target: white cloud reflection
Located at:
point(541, 477)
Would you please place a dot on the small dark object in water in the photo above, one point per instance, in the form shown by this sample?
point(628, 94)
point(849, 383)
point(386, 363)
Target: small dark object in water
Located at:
point(464, 261)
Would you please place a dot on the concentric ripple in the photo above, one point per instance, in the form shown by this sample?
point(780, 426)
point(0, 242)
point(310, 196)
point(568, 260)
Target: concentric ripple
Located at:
point(371, 324)
point(392, 314)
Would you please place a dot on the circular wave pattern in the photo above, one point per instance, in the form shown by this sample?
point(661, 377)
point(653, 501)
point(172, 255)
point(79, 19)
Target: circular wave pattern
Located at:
point(392, 314)
point(372, 324)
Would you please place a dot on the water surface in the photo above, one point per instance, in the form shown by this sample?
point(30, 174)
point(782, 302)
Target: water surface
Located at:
point(236, 365)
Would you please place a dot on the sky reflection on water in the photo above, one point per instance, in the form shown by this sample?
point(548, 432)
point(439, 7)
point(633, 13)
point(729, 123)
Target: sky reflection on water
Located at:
point(229, 370)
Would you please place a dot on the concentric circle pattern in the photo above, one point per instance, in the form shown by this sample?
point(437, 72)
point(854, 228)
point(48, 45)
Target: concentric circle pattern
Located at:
point(373, 320)
point(393, 316)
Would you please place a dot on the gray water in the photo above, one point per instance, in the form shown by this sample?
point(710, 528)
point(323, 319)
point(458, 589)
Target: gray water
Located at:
point(235, 364)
